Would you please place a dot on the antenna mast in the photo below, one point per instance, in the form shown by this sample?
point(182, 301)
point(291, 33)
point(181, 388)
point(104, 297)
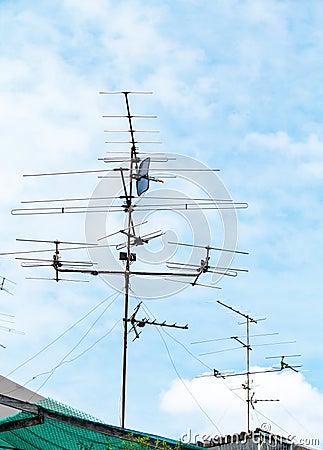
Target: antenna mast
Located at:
point(127, 270)
point(248, 348)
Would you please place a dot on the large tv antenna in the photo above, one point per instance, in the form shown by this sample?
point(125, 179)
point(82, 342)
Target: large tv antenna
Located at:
point(136, 170)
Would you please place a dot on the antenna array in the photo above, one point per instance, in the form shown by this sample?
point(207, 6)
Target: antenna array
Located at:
point(244, 342)
point(137, 171)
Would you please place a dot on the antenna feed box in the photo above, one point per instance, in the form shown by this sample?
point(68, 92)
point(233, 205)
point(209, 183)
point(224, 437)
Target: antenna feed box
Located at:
point(123, 256)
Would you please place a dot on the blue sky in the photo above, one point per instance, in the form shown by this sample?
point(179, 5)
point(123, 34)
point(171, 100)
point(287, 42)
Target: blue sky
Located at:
point(237, 86)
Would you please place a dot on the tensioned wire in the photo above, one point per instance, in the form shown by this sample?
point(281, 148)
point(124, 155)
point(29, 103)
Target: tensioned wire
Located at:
point(62, 361)
point(114, 294)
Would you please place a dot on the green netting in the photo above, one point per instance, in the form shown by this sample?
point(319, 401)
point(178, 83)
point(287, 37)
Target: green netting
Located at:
point(54, 405)
point(56, 434)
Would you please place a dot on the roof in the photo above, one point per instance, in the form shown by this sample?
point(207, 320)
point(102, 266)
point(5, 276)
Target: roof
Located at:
point(15, 390)
point(50, 425)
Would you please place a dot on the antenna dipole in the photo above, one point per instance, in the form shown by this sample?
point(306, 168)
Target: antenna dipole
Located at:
point(127, 268)
point(3, 282)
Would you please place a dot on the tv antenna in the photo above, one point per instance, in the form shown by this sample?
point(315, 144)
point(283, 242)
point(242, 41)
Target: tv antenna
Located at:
point(244, 342)
point(246, 345)
point(136, 170)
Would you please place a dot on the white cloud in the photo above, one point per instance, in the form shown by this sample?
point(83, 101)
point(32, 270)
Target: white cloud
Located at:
point(282, 142)
point(299, 411)
point(313, 170)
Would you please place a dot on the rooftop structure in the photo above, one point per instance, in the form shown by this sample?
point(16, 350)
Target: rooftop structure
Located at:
point(50, 425)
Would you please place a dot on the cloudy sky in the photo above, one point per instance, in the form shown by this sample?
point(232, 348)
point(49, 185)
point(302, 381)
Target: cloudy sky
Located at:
point(237, 86)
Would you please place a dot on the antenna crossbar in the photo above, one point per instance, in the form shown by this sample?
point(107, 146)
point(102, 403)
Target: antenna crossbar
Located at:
point(241, 342)
point(125, 92)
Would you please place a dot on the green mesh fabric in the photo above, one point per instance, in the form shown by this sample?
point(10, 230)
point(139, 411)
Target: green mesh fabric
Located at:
point(54, 405)
point(53, 434)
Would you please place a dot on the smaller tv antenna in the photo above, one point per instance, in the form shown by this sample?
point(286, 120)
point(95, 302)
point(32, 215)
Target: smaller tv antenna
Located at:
point(136, 323)
point(246, 345)
point(244, 341)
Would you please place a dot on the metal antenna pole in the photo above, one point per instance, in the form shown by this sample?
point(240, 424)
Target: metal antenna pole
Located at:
point(56, 261)
point(127, 270)
point(248, 375)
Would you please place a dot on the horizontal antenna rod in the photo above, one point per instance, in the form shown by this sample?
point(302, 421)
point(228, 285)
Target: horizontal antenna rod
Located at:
point(228, 338)
point(210, 248)
point(138, 207)
point(86, 244)
point(129, 131)
point(123, 197)
point(23, 252)
point(121, 272)
point(254, 345)
point(133, 142)
point(59, 279)
point(219, 375)
point(282, 356)
point(112, 116)
point(192, 284)
point(64, 173)
point(196, 266)
point(144, 322)
point(125, 92)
